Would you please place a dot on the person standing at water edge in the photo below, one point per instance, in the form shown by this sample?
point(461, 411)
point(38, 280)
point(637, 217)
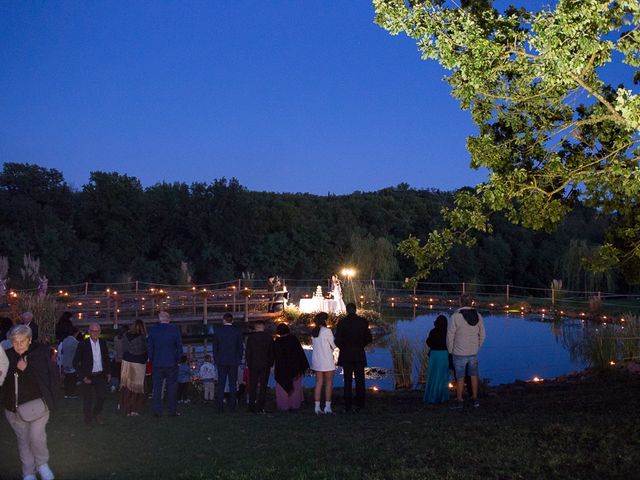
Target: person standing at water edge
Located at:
point(352, 335)
point(322, 362)
point(227, 352)
point(164, 348)
point(437, 388)
point(290, 364)
point(259, 361)
point(91, 363)
point(465, 336)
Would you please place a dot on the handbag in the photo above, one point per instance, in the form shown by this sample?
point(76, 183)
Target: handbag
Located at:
point(29, 411)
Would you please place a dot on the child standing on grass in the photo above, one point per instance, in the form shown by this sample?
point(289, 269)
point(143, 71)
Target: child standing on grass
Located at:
point(184, 378)
point(208, 375)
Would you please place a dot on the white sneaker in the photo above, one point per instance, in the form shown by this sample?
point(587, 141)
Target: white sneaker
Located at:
point(319, 412)
point(328, 411)
point(29, 477)
point(45, 472)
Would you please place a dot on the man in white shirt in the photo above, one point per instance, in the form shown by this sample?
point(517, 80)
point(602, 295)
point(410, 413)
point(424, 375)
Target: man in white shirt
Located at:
point(91, 363)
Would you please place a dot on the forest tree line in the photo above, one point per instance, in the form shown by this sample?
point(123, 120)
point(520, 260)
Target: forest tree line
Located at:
point(113, 229)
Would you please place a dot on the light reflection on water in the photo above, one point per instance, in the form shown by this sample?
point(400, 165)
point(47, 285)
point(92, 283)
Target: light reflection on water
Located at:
point(516, 348)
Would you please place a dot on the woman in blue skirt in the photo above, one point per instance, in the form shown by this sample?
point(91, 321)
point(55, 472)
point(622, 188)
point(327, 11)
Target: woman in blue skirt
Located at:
point(437, 389)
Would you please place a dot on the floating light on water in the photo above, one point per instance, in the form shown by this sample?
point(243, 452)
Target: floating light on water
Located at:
point(450, 385)
point(537, 379)
point(374, 388)
point(612, 362)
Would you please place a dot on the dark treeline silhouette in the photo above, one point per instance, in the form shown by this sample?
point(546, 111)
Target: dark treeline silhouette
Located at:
point(114, 230)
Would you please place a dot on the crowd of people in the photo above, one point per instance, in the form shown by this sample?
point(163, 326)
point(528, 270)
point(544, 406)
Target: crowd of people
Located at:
point(30, 379)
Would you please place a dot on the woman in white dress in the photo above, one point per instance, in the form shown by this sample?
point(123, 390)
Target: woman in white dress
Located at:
point(322, 362)
point(336, 293)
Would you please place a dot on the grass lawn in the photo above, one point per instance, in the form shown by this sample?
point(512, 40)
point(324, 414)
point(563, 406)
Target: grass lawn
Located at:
point(586, 429)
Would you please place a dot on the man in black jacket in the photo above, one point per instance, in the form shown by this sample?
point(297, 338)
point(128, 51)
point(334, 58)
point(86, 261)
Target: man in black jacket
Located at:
point(352, 335)
point(259, 361)
point(91, 363)
point(27, 319)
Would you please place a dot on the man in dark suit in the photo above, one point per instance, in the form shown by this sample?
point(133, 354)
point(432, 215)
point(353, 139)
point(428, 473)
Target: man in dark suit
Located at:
point(259, 361)
point(27, 319)
point(352, 335)
point(164, 347)
point(91, 363)
point(227, 352)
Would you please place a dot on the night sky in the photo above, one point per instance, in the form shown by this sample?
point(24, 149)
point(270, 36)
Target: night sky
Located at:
point(286, 96)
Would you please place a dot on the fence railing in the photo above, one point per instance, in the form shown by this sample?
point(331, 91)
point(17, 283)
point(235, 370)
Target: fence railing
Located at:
point(112, 301)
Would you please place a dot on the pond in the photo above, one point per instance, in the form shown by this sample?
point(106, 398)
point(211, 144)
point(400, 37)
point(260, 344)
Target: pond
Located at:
point(517, 347)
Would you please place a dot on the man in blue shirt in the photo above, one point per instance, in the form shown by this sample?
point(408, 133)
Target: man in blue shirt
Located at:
point(164, 347)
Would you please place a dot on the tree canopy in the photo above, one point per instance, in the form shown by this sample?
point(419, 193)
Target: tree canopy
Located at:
point(553, 133)
point(114, 230)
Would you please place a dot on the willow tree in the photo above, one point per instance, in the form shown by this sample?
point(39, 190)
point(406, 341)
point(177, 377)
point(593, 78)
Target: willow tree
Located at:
point(552, 132)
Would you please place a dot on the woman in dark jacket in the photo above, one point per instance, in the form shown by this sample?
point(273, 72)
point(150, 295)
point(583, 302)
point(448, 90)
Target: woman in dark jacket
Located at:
point(64, 326)
point(134, 361)
point(290, 365)
point(31, 368)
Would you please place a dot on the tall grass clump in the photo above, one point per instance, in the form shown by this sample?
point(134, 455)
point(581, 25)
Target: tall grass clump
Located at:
point(402, 353)
point(601, 347)
point(45, 312)
point(421, 358)
point(630, 338)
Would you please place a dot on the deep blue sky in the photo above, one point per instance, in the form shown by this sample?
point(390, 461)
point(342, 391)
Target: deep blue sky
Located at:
point(296, 96)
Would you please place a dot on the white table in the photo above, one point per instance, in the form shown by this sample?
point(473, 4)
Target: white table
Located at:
point(318, 304)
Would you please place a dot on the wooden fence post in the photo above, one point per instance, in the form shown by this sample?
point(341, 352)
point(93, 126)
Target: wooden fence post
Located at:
point(204, 310)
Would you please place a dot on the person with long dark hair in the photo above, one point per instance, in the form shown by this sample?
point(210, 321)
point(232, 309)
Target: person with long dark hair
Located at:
point(322, 362)
point(64, 325)
point(437, 388)
point(290, 365)
point(134, 361)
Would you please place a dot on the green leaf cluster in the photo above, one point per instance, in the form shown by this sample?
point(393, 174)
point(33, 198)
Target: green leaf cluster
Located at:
point(552, 132)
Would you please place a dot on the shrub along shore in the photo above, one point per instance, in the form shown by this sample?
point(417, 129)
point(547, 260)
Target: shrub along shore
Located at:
point(581, 426)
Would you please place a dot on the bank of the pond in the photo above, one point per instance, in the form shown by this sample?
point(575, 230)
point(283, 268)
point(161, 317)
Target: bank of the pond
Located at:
point(583, 427)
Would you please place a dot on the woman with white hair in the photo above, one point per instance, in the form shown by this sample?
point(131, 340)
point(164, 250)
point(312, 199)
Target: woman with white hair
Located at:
point(29, 395)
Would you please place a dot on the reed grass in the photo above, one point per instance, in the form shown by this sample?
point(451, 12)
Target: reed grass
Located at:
point(45, 312)
point(421, 358)
point(402, 355)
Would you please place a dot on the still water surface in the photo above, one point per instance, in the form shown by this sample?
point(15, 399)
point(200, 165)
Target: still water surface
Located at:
point(516, 348)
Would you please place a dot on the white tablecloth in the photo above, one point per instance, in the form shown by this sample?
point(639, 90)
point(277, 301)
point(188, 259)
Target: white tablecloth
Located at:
point(318, 304)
